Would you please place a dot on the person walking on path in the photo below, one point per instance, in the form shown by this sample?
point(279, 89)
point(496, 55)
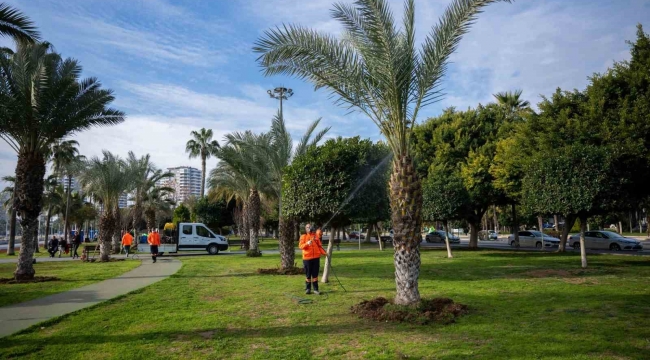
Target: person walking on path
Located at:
point(154, 240)
point(52, 246)
point(63, 244)
point(76, 242)
point(312, 249)
point(127, 240)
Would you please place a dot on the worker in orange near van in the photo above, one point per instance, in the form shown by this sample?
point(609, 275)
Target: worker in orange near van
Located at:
point(312, 249)
point(127, 240)
point(154, 240)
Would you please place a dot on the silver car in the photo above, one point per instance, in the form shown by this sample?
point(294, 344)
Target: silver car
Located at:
point(533, 238)
point(439, 236)
point(605, 240)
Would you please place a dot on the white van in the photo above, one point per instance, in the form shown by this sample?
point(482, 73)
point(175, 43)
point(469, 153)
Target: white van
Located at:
point(191, 237)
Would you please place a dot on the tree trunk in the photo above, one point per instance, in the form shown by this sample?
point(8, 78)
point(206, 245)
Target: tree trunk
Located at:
point(568, 224)
point(38, 228)
point(287, 245)
point(67, 208)
point(620, 227)
point(406, 207)
point(540, 223)
point(30, 171)
point(368, 232)
point(556, 223)
point(630, 218)
point(137, 215)
point(583, 251)
point(449, 255)
point(496, 220)
point(106, 229)
point(473, 236)
point(245, 236)
point(378, 232)
point(47, 223)
point(326, 270)
point(254, 218)
point(515, 226)
point(11, 245)
point(117, 240)
point(203, 175)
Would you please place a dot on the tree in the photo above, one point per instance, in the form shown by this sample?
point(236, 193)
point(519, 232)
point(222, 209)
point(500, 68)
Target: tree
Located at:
point(377, 71)
point(52, 104)
point(201, 145)
point(331, 184)
point(460, 146)
point(156, 199)
point(66, 162)
point(214, 214)
point(512, 102)
point(280, 152)
point(106, 178)
point(574, 182)
point(9, 191)
point(181, 214)
point(16, 25)
point(52, 199)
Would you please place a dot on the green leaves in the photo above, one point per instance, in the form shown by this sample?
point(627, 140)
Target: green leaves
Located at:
point(13, 23)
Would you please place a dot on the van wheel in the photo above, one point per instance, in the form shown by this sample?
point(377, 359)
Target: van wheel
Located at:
point(213, 249)
point(538, 245)
point(615, 247)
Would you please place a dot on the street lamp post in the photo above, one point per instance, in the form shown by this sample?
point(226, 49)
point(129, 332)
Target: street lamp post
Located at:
point(280, 93)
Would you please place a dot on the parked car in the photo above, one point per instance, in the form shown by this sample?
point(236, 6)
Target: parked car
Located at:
point(534, 238)
point(355, 235)
point(605, 240)
point(487, 235)
point(439, 237)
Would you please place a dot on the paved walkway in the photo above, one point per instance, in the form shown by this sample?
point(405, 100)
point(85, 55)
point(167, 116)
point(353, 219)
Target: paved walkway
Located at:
point(14, 318)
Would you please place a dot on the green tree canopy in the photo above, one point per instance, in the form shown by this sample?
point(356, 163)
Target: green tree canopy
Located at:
point(181, 214)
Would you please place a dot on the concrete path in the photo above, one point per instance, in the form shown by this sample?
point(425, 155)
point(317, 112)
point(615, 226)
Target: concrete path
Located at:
point(14, 318)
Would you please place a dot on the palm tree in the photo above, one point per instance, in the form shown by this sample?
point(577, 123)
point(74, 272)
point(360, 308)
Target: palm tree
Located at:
point(8, 204)
point(106, 178)
point(511, 101)
point(280, 153)
point(43, 102)
point(155, 200)
point(13, 23)
point(377, 71)
point(202, 145)
point(240, 158)
point(230, 185)
point(52, 199)
point(66, 162)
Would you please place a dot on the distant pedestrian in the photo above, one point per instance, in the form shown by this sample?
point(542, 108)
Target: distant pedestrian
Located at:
point(63, 244)
point(76, 242)
point(312, 249)
point(52, 246)
point(154, 241)
point(127, 240)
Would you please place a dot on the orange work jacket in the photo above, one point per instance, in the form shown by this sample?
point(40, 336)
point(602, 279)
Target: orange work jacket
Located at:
point(153, 239)
point(313, 251)
point(127, 239)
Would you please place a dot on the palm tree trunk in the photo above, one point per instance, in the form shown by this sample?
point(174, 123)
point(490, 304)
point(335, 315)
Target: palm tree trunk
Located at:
point(287, 246)
point(568, 224)
point(11, 245)
point(30, 171)
point(406, 207)
point(47, 223)
point(245, 234)
point(515, 225)
point(328, 265)
point(254, 218)
point(116, 231)
point(202, 175)
point(449, 255)
point(150, 215)
point(67, 208)
point(106, 229)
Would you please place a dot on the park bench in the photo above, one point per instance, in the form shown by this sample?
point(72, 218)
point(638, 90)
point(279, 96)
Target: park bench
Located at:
point(89, 250)
point(337, 242)
point(239, 242)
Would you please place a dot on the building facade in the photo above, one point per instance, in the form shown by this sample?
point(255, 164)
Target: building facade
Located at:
point(186, 182)
point(122, 201)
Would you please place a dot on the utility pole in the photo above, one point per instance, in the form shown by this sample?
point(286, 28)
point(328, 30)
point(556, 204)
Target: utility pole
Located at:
point(280, 93)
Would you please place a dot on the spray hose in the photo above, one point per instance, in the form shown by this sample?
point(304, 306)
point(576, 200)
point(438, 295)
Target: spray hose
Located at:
point(305, 301)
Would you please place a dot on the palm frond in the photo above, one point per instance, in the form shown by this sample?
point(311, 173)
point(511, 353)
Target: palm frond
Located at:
point(13, 23)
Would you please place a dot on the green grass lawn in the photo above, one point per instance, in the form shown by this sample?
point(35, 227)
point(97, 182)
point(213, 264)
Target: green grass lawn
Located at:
point(523, 306)
point(73, 274)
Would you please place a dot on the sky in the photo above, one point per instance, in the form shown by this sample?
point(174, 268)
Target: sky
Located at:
point(178, 66)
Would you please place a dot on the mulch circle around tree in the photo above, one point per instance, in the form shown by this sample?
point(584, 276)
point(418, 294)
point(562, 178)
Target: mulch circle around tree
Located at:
point(438, 310)
point(99, 261)
point(277, 271)
point(36, 279)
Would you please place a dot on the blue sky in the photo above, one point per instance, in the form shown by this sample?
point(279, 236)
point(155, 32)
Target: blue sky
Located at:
point(176, 66)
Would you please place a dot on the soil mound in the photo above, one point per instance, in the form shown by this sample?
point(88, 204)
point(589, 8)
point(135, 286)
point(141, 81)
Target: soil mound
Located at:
point(437, 310)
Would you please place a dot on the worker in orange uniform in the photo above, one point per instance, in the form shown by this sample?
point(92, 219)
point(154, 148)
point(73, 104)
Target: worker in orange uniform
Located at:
point(312, 249)
point(127, 240)
point(154, 240)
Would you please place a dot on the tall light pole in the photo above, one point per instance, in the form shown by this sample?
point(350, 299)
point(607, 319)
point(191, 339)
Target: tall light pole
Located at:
point(280, 93)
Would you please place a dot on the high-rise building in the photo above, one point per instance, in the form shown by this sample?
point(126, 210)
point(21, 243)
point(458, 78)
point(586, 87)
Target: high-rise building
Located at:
point(122, 201)
point(186, 182)
point(75, 185)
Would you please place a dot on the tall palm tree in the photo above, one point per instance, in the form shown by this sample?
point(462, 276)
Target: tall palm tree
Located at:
point(201, 145)
point(52, 199)
point(155, 200)
point(13, 23)
point(377, 71)
point(8, 204)
point(66, 162)
point(106, 178)
point(43, 102)
point(239, 157)
point(280, 153)
point(227, 184)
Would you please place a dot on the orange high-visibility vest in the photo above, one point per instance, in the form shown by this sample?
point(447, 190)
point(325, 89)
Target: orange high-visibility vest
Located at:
point(127, 239)
point(313, 251)
point(153, 239)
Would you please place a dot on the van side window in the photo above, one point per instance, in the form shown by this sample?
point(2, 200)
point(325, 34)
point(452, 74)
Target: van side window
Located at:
point(187, 229)
point(203, 232)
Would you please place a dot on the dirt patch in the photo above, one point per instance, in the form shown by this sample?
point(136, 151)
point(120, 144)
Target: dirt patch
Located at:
point(277, 271)
point(438, 310)
point(36, 279)
point(581, 281)
point(207, 335)
point(94, 260)
point(542, 273)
